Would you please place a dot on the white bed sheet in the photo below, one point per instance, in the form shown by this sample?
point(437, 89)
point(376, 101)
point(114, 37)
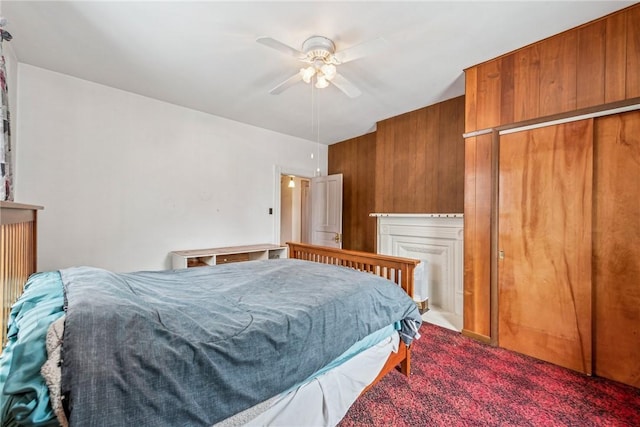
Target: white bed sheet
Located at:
point(324, 400)
point(321, 401)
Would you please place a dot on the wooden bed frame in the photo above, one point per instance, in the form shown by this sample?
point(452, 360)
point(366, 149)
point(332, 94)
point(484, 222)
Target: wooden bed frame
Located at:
point(18, 257)
point(399, 270)
point(18, 260)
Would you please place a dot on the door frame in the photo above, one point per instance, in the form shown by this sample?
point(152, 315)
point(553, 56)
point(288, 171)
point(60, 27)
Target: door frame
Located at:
point(278, 171)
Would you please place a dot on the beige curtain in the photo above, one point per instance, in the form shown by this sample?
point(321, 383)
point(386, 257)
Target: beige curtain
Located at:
point(6, 167)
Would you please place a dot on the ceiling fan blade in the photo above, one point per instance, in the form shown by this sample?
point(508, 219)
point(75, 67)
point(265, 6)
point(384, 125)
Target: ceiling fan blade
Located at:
point(286, 84)
point(345, 86)
point(360, 50)
point(275, 44)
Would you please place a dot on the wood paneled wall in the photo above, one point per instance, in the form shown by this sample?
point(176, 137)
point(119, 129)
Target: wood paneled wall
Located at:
point(355, 160)
point(616, 253)
point(420, 160)
point(478, 183)
point(413, 163)
point(594, 67)
point(587, 66)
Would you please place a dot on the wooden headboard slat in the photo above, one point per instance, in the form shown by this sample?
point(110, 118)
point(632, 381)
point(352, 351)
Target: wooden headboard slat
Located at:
point(397, 269)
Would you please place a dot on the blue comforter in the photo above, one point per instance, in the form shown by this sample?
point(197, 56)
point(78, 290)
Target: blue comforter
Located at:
point(24, 397)
point(192, 347)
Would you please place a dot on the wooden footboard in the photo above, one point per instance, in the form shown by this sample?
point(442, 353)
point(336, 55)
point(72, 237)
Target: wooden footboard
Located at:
point(17, 254)
point(397, 269)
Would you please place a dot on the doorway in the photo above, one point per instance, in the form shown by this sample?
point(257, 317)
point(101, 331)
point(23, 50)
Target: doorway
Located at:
point(295, 209)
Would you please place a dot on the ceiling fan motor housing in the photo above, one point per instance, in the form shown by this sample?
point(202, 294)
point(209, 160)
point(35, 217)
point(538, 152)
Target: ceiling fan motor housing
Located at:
point(318, 48)
point(320, 53)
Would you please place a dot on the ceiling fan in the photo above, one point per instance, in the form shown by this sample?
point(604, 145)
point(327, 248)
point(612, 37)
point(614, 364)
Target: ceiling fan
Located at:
point(321, 56)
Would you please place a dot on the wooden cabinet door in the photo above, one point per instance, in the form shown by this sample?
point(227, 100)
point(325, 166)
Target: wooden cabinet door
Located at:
point(616, 246)
point(544, 238)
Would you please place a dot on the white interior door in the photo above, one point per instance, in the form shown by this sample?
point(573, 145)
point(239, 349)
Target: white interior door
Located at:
point(326, 210)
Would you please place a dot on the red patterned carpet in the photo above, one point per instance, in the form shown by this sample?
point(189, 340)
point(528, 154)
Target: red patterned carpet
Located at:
point(457, 381)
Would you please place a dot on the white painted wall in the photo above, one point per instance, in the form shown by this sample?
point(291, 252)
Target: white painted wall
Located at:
point(126, 179)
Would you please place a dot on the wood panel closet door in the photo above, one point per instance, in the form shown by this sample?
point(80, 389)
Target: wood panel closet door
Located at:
point(616, 258)
point(544, 232)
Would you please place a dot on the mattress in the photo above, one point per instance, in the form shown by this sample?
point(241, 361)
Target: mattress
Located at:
point(25, 398)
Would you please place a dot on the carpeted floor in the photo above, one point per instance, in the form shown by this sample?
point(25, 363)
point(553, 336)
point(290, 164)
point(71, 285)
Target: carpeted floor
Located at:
point(457, 381)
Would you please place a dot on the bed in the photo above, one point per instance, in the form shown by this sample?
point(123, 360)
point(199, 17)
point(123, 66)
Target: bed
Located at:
point(270, 342)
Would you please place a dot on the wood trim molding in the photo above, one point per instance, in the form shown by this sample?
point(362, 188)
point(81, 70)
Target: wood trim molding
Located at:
point(571, 118)
point(631, 104)
point(477, 337)
point(477, 133)
point(13, 213)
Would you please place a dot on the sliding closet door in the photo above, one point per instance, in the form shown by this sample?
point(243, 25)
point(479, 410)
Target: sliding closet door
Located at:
point(544, 242)
point(616, 245)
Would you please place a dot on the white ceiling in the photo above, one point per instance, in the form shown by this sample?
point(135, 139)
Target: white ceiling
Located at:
point(203, 55)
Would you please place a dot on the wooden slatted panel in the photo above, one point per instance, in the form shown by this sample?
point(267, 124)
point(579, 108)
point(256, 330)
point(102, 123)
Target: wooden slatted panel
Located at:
point(558, 70)
point(18, 229)
point(401, 200)
point(17, 262)
point(591, 63)
point(471, 97)
point(4, 262)
point(477, 236)
point(419, 160)
point(616, 254)
point(633, 52)
point(488, 97)
point(507, 88)
point(383, 184)
point(615, 58)
point(526, 84)
point(450, 164)
point(397, 269)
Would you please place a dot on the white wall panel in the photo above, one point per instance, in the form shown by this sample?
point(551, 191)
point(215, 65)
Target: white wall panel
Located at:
point(126, 179)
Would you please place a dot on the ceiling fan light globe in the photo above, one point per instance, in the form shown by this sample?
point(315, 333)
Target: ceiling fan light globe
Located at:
point(307, 74)
point(321, 82)
point(329, 71)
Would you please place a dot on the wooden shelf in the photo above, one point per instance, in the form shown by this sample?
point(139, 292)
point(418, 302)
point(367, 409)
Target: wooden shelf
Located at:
point(214, 256)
